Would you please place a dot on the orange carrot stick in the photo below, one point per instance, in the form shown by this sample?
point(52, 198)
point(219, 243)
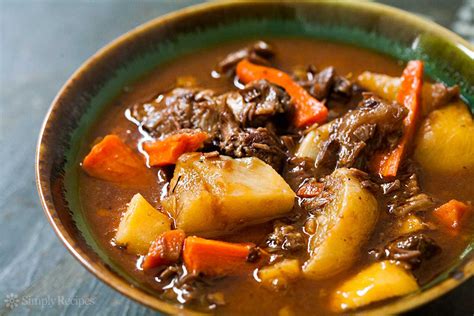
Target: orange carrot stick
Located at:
point(308, 110)
point(219, 258)
point(386, 164)
point(166, 249)
point(451, 214)
point(112, 160)
point(167, 151)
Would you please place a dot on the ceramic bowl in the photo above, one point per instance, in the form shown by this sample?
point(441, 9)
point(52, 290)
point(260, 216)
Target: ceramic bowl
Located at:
point(448, 58)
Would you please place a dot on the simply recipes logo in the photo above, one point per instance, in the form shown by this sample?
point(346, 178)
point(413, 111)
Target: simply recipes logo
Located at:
point(12, 301)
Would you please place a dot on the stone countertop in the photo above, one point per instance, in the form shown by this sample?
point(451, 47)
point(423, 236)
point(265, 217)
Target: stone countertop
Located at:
point(41, 44)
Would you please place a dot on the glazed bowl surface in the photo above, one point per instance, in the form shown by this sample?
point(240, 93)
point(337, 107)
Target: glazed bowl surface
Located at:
point(83, 98)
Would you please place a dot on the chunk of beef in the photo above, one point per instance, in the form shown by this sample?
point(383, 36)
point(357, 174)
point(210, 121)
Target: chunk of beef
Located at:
point(285, 238)
point(354, 137)
point(315, 205)
point(343, 87)
point(327, 84)
point(257, 103)
point(258, 53)
point(181, 108)
point(319, 84)
point(239, 124)
point(259, 142)
point(404, 196)
point(391, 186)
point(411, 250)
point(370, 185)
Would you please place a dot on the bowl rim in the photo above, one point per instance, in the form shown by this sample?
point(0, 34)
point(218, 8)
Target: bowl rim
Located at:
point(119, 284)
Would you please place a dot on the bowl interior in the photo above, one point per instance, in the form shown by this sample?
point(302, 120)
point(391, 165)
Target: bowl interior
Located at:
point(87, 94)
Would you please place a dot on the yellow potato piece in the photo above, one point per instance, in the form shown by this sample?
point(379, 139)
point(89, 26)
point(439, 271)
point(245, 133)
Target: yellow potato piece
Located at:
point(384, 86)
point(140, 225)
point(411, 224)
point(278, 275)
point(379, 281)
point(345, 224)
point(212, 196)
point(312, 143)
point(445, 140)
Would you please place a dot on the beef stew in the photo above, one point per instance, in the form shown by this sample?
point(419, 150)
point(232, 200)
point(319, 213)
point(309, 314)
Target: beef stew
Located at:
point(282, 176)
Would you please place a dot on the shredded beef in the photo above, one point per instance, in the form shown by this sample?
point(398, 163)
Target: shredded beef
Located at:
point(261, 142)
point(290, 141)
point(247, 124)
point(194, 109)
point(259, 53)
point(258, 142)
point(354, 137)
point(318, 84)
point(390, 187)
point(327, 84)
point(404, 196)
point(257, 103)
point(316, 204)
point(286, 238)
point(410, 250)
point(370, 185)
point(343, 87)
point(181, 108)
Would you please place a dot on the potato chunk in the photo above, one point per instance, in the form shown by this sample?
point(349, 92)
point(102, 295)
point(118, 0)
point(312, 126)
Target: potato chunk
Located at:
point(382, 85)
point(345, 224)
point(445, 140)
point(379, 281)
point(312, 143)
point(216, 195)
point(140, 225)
point(411, 224)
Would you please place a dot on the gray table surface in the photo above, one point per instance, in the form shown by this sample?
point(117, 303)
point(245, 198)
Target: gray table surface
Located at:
point(41, 44)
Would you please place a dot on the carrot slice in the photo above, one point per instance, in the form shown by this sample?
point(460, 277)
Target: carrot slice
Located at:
point(219, 258)
point(308, 110)
point(386, 163)
point(452, 213)
point(112, 160)
point(167, 151)
point(166, 249)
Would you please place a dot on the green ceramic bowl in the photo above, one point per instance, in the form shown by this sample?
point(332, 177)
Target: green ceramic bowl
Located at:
point(448, 58)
